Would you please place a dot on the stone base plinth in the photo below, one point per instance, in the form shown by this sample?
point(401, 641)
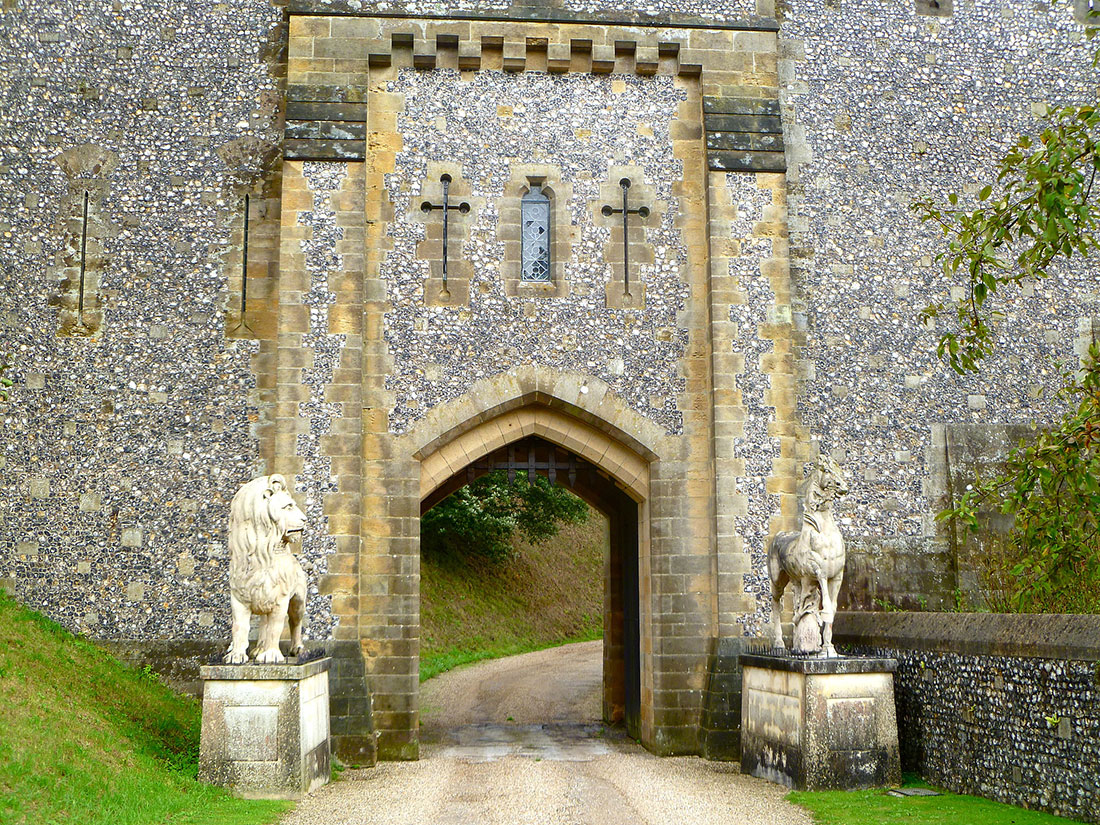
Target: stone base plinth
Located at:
point(720, 729)
point(265, 728)
point(819, 724)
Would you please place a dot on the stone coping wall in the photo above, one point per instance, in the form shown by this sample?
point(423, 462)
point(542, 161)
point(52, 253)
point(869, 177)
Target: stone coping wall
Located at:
point(1001, 706)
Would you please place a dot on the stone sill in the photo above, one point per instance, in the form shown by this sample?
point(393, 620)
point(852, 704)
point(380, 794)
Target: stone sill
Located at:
point(259, 673)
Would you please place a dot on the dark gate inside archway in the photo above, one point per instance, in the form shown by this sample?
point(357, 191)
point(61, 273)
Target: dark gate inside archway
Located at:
point(622, 655)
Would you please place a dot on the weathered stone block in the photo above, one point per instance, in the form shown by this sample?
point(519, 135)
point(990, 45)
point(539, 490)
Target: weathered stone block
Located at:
point(720, 729)
point(265, 728)
point(819, 723)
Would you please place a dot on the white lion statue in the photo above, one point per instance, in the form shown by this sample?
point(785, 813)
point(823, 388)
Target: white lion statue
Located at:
point(812, 559)
point(264, 576)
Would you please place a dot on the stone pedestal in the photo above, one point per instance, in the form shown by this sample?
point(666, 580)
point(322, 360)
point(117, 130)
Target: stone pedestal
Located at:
point(817, 724)
point(265, 728)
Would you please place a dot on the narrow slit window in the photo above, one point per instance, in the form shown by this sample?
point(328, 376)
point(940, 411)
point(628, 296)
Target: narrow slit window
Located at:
point(535, 220)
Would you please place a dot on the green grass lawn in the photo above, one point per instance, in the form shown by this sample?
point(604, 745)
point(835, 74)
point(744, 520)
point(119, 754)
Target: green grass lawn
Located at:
point(549, 594)
point(85, 739)
point(879, 808)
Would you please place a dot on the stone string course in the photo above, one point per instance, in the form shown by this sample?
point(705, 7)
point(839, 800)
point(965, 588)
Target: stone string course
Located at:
point(716, 10)
point(581, 125)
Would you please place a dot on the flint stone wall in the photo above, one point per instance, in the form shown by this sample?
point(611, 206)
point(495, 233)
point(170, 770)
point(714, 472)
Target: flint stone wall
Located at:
point(122, 451)
point(1001, 706)
point(884, 105)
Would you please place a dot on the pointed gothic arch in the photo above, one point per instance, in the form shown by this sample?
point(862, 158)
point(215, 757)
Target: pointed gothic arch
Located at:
point(535, 437)
point(461, 449)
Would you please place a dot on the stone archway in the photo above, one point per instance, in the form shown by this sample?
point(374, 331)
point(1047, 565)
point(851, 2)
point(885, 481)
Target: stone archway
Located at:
point(535, 454)
point(377, 387)
point(453, 451)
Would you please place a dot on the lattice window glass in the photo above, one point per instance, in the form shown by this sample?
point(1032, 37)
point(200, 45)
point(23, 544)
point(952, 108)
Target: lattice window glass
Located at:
point(535, 220)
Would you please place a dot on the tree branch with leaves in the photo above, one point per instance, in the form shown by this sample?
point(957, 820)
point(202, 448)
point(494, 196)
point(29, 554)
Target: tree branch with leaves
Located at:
point(1044, 210)
point(1050, 561)
point(482, 518)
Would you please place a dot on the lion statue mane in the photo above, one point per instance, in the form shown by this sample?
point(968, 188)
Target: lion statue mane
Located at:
point(264, 576)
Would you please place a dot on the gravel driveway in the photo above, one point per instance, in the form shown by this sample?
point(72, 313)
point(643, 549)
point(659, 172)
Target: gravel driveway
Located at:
point(552, 763)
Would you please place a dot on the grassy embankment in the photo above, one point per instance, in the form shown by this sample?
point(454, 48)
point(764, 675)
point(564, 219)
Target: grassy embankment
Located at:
point(85, 739)
point(879, 808)
point(551, 594)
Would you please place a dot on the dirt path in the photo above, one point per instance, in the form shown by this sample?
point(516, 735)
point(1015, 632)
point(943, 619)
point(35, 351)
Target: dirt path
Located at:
point(561, 684)
point(552, 764)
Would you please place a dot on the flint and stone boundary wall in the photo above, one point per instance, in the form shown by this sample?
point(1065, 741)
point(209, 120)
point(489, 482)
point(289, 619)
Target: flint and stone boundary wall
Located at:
point(1001, 706)
point(778, 316)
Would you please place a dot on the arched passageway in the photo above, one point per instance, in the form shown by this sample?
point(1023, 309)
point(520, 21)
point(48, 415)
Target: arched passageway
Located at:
point(534, 455)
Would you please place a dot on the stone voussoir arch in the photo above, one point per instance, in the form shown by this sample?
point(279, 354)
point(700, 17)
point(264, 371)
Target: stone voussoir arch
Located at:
point(580, 414)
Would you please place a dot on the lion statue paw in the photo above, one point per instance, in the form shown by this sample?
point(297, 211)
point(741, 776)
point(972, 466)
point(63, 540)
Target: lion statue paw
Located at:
point(235, 657)
point(270, 657)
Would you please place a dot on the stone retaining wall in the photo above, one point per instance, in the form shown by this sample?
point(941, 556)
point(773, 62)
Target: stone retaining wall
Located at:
point(1001, 706)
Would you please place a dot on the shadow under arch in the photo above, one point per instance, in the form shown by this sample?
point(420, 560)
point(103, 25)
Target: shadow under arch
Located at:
point(530, 437)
